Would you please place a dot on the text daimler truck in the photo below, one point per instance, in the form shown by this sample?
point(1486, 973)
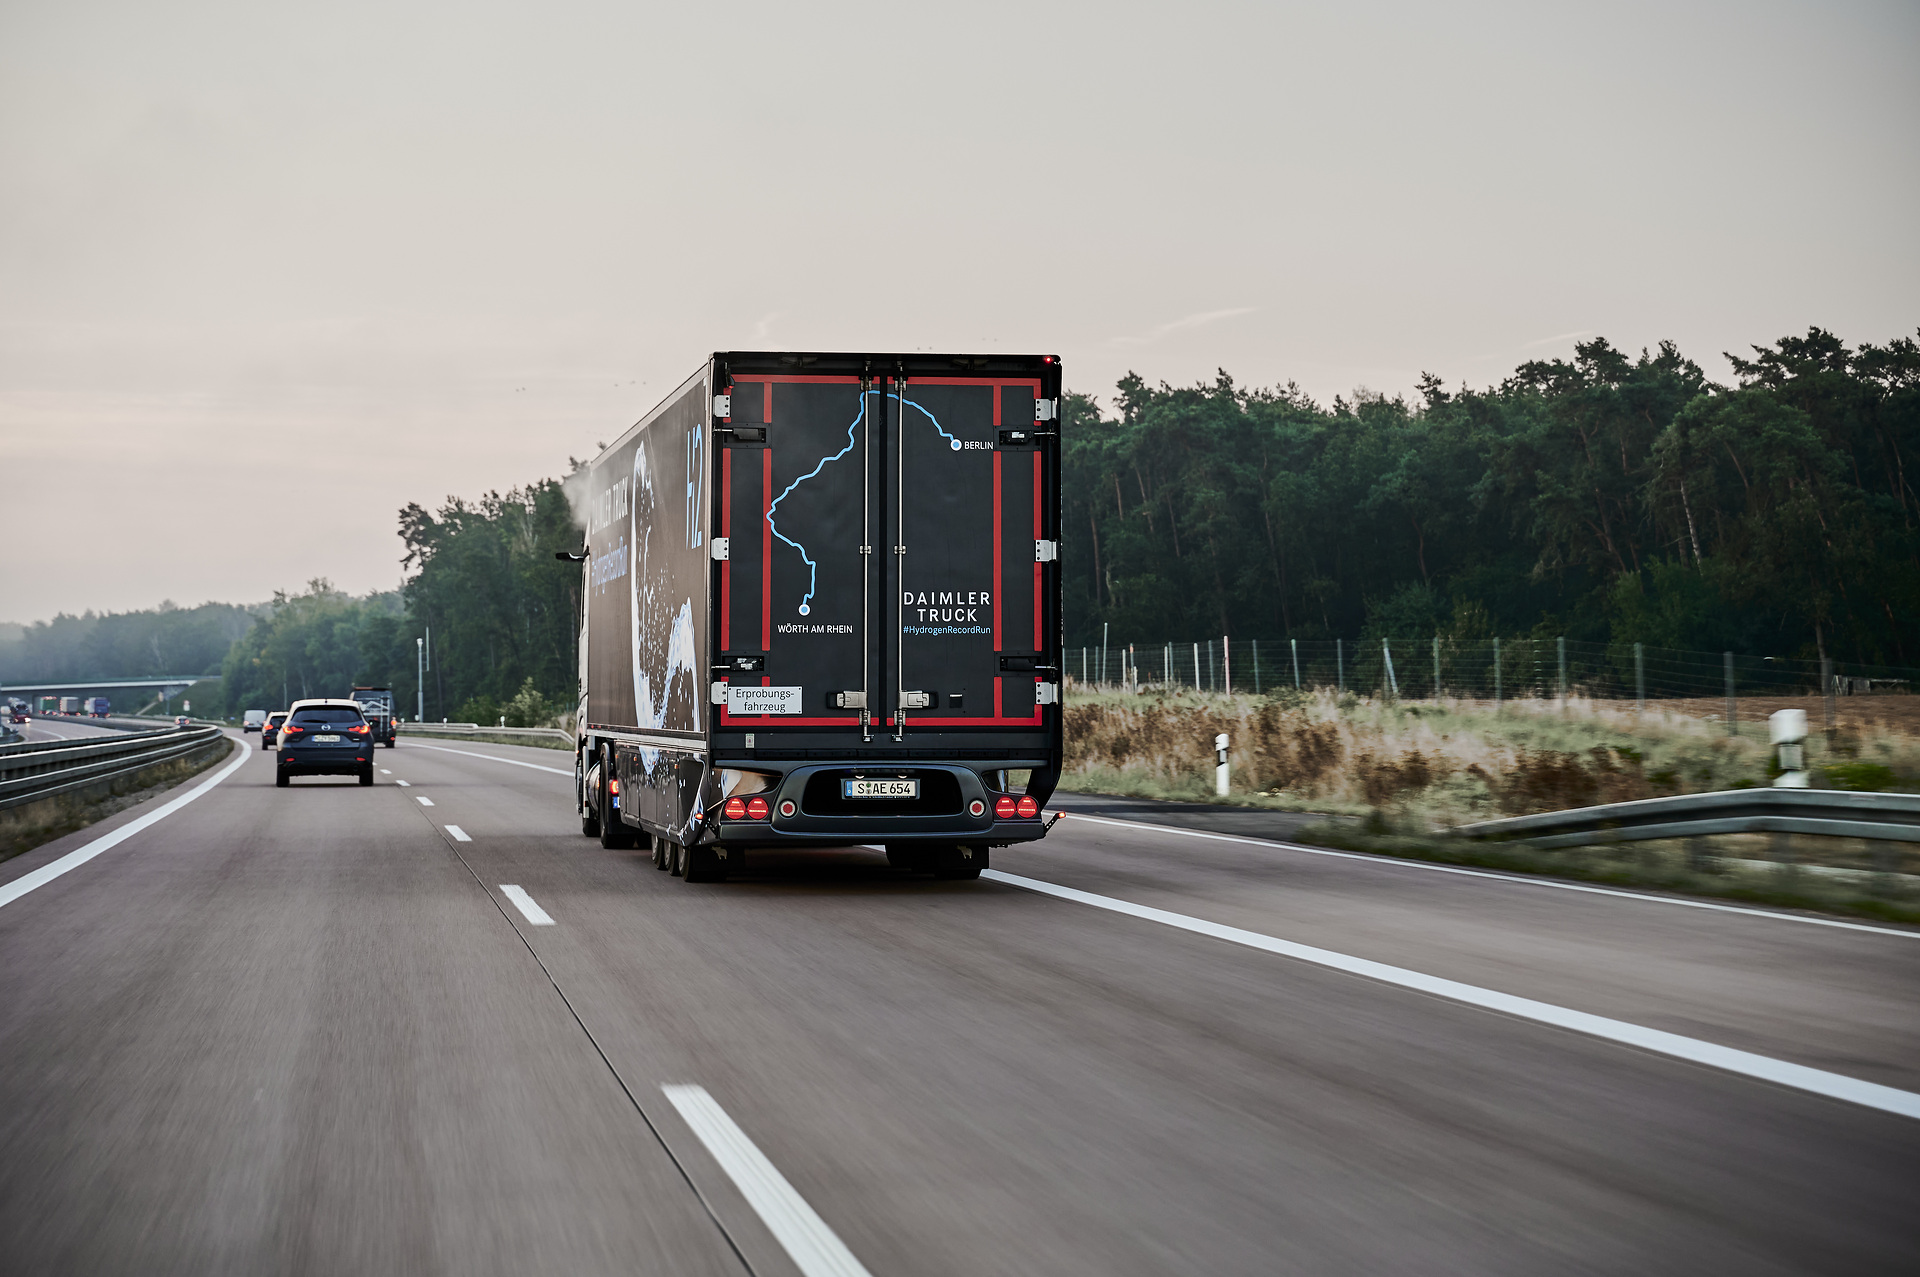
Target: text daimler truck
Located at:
point(822, 608)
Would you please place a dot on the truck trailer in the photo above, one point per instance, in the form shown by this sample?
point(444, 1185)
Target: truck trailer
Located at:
point(69, 704)
point(98, 706)
point(376, 706)
point(821, 608)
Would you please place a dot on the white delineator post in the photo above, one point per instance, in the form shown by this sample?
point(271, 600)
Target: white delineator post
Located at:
point(1220, 765)
point(1788, 730)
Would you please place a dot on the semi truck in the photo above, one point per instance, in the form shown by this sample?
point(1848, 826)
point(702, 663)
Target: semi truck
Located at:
point(98, 707)
point(69, 704)
point(822, 608)
point(376, 706)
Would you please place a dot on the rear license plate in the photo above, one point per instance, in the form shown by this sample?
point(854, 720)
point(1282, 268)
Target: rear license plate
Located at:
point(326, 740)
point(880, 789)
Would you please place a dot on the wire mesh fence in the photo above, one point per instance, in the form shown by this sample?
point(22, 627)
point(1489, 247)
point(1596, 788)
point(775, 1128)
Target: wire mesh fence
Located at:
point(1723, 685)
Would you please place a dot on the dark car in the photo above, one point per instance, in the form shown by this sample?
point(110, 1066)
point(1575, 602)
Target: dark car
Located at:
point(325, 738)
point(270, 730)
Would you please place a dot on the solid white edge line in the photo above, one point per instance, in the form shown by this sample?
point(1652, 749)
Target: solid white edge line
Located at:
point(423, 800)
point(815, 1249)
point(459, 834)
point(1798, 1076)
point(1427, 865)
point(511, 762)
point(525, 904)
point(46, 873)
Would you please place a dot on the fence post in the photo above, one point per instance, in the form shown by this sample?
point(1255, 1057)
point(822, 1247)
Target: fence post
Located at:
point(1561, 643)
point(1436, 669)
point(1256, 667)
point(1226, 666)
point(1496, 674)
point(1295, 644)
point(1196, 667)
point(1639, 679)
point(1733, 724)
point(1826, 695)
point(1083, 666)
point(1392, 687)
point(1104, 625)
point(1339, 665)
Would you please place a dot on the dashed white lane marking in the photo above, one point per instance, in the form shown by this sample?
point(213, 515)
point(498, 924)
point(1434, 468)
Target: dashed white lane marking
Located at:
point(385, 772)
point(459, 834)
point(423, 800)
point(524, 903)
point(403, 784)
point(46, 873)
point(1818, 1081)
point(815, 1250)
point(1428, 866)
point(511, 762)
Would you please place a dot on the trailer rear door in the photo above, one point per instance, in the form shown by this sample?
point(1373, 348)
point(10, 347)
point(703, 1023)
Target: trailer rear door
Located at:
point(887, 568)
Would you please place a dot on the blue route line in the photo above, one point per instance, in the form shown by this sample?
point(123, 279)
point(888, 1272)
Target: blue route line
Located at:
point(813, 569)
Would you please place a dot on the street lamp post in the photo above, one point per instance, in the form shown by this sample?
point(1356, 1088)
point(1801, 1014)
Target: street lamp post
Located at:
point(420, 679)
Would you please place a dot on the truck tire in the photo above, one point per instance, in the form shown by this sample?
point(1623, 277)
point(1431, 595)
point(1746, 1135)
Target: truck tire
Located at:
point(662, 851)
point(700, 864)
point(676, 858)
point(389, 742)
point(959, 862)
point(912, 857)
point(366, 774)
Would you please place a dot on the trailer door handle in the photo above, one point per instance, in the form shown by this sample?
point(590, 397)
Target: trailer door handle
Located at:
point(916, 700)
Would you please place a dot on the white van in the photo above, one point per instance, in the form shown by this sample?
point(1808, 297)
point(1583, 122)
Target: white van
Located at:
point(251, 721)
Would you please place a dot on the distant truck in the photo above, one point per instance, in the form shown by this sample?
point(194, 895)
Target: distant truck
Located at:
point(822, 608)
point(376, 706)
point(49, 705)
point(69, 704)
point(97, 707)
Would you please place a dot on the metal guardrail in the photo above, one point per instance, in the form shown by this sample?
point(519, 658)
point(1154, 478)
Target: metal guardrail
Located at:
point(1832, 813)
point(470, 729)
point(31, 770)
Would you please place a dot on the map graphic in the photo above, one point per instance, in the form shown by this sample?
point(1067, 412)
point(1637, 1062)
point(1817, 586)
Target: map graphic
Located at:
point(806, 600)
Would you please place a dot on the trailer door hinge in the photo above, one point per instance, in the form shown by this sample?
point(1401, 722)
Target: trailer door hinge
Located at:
point(1043, 551)
point(1044, 409)
point(720, 549)
point(723, 405)
point(718, 692)
point(1046, 694)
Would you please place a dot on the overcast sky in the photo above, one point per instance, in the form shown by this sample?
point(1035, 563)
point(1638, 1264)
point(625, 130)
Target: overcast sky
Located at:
point(270, 271)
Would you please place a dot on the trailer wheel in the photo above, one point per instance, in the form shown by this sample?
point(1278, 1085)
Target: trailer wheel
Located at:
point(701, 865)
point(662, 851)
point(959, 861)
point(677, 859)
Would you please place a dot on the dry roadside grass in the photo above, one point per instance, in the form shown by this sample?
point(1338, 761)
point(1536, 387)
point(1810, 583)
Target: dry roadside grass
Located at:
point(1431, 765)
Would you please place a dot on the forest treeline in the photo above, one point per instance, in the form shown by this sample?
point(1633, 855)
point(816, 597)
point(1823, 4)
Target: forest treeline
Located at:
point(1609, 498)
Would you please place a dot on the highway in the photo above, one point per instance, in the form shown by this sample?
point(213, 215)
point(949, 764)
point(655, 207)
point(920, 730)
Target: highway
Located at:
point(310, 1031)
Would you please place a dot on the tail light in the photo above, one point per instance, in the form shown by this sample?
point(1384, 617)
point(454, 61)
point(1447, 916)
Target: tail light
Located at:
point(291, 730)
point(357, 731)
point(736, 809)
point(613, 786)
point(756, 809)
point(1029, 808)
point(1004, 808)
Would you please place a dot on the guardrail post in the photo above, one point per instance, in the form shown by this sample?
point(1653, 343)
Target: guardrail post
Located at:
point(1699, 859)
point(1733, 723)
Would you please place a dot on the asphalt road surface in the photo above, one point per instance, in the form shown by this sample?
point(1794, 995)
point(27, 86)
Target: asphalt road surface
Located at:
point(308, 1031)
